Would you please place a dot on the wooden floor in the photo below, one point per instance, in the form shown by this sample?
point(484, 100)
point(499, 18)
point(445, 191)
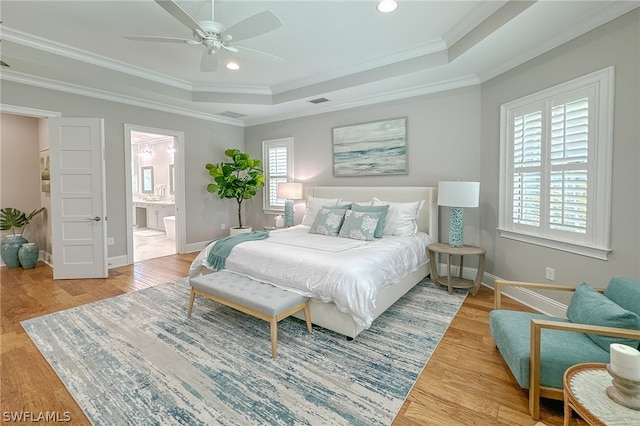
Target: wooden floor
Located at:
point(466, 381)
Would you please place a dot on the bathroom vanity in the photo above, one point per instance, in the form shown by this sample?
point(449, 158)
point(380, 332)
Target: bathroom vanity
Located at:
point(151, 214)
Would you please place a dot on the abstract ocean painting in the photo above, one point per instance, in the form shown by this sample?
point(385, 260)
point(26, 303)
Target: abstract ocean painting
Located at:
point(377, 148)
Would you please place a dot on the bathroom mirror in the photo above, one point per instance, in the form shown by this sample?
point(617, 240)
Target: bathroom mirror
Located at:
point(172, 179)
point(147, 179)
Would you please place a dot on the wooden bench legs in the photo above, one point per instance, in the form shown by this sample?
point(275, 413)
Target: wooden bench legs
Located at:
point(273, 320)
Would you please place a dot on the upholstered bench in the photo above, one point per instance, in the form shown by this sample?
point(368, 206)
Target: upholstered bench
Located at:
point(258, 299)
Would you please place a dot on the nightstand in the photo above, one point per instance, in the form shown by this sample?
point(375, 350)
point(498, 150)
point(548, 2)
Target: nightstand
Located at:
point(450, 281)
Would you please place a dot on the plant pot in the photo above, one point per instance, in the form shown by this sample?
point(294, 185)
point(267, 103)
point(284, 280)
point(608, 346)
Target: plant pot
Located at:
point(28, 255)
point(243, 230)
point(9, 249)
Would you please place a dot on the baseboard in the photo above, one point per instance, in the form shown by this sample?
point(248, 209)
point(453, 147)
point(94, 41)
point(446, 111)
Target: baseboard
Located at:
point(114, 262)
point(190, 248)
point(540, 303)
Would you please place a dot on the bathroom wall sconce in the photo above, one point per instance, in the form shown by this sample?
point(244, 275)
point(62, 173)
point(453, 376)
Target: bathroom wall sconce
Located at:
point(146, 153)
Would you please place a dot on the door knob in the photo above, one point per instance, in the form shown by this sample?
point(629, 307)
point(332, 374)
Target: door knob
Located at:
point(97, 218)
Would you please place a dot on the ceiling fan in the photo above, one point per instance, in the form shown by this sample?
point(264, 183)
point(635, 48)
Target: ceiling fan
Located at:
point(214, 36)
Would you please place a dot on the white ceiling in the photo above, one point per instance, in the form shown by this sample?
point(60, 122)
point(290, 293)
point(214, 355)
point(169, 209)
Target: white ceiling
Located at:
point(344, 51)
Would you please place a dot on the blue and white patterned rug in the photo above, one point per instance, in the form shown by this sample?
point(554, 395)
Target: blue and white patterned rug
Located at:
point(136, 359)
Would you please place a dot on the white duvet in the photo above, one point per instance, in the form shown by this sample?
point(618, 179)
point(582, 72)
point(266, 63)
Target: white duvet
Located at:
point(344, 271)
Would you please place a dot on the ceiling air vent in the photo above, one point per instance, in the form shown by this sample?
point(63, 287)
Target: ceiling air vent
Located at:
point(232, 114)
point(319, 100)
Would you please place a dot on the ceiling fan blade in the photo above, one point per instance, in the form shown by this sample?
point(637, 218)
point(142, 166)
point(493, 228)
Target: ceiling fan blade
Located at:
point(178, 13)
point(209, 61)
point(245, 49)
point(161, 39)
point(255, 25)
point(229, 48)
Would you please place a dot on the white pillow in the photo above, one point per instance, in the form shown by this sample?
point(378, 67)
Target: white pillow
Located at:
point(402, 218)
point(360, 203)
point(313, 207)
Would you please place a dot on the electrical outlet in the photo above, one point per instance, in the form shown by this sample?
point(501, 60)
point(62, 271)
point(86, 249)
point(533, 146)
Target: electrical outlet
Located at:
point(551, 274)
point(111, 241)
point(223, 226)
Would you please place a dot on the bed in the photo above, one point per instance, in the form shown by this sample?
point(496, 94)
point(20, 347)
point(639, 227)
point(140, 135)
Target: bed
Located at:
point(346, 279)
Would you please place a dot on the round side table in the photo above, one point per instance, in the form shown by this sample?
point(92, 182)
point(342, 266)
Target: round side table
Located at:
point(585, 393)
point(450, 281)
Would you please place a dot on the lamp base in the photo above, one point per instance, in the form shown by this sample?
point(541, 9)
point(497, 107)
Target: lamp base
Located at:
point(456, 226)
point(288, 213)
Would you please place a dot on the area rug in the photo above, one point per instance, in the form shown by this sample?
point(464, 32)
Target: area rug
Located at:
point(136, 359)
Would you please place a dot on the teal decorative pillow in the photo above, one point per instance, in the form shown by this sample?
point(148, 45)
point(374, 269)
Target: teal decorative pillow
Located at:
point(378, 233)
point(588, 306)
point(359, 225)
point(328, 221)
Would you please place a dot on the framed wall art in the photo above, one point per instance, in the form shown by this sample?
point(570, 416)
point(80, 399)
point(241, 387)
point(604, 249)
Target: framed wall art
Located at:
point(370, 149)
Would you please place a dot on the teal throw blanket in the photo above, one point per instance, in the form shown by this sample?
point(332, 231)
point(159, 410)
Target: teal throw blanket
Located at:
point(222, 248)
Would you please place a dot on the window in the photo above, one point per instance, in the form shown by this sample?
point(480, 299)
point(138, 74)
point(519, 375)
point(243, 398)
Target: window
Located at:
point(277, 158)
point(555, 166)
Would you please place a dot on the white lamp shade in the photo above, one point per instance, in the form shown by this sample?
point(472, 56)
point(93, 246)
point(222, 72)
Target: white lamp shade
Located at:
point(290, 190)
point(459, 194)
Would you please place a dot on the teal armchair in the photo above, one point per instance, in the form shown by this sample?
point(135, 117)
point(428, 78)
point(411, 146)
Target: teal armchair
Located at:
point(539, 348)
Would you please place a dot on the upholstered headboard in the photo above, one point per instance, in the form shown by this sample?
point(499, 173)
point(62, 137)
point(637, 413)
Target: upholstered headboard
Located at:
point(428, 220)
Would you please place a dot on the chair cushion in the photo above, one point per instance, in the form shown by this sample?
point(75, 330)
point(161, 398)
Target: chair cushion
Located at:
point(559, 349)
point(588, 306)
point(624, 292)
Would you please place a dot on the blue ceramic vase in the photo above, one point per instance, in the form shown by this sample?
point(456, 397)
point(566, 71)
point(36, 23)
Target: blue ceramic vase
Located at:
point(28, 255)
point(9, 249)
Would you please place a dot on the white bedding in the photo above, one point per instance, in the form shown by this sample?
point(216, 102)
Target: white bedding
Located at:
point(344, 271)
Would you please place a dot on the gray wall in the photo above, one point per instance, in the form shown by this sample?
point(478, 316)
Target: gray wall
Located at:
point(205, 141)
point(615, 43)
point(443, 143)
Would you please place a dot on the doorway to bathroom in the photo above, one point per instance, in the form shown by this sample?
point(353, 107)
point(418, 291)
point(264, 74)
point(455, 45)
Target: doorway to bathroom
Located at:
point(154, 192)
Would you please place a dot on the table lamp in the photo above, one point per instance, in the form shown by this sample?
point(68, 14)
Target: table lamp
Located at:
point(458, 195)
point(289, 191)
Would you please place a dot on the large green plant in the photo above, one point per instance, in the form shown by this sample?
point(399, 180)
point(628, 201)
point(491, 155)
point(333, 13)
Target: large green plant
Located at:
point(12, 219)
point(240, 178)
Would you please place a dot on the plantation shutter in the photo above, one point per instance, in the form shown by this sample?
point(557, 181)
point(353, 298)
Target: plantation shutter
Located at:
point(277, 159)
point(277, 173)
point(527, 168)
point(555, 166)
point(569, 160)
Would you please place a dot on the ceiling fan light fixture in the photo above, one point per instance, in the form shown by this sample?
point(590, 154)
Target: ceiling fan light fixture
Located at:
point(232, 66)
point(386, 6)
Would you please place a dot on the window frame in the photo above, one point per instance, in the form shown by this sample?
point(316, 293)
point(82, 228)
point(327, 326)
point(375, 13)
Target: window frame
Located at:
point(596, 240)
point(268, 208)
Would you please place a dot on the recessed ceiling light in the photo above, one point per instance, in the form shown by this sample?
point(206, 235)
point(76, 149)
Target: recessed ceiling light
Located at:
point(386, 6)
point(232, 66)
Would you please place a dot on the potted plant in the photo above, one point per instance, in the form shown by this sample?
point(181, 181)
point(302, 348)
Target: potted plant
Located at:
point(12, 219)
point(239, 179)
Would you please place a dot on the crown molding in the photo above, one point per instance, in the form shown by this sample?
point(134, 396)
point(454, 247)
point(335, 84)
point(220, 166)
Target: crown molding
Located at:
point(391, 95)
point(17, 77)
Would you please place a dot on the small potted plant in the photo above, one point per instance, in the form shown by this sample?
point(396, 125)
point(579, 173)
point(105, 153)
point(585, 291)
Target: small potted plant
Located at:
point(239, 179)
point(12, 219)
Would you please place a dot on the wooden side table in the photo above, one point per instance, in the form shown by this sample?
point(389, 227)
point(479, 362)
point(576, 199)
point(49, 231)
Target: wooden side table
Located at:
point(585, 393)
point(450, 281)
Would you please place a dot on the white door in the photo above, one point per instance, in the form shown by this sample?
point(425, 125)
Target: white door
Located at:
point(78, 207)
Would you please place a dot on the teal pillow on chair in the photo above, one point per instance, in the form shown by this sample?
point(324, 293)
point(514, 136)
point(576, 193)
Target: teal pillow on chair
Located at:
point(588, 306)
